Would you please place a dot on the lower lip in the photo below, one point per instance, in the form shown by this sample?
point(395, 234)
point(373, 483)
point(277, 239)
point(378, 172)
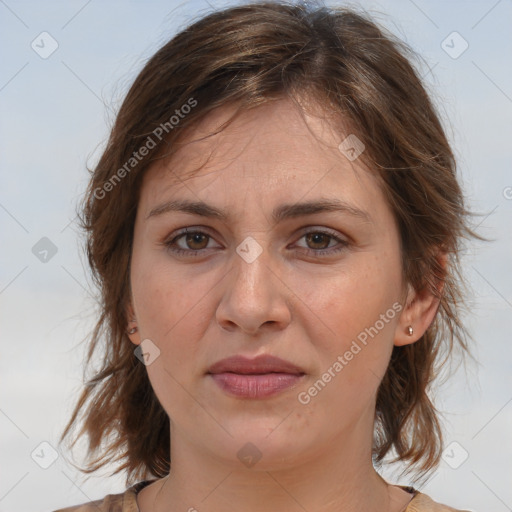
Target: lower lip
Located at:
point(255, 386)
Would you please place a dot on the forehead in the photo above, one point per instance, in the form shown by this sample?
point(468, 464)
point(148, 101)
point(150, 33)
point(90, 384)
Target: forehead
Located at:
point(276, 148)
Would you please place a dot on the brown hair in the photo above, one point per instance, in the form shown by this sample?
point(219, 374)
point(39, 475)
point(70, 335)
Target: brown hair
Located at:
point(248, 55)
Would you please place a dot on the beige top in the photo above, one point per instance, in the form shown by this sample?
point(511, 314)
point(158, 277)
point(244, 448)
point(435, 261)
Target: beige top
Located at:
point(126, 502)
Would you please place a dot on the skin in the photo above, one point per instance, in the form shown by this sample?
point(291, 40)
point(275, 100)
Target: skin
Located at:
point(289, 302)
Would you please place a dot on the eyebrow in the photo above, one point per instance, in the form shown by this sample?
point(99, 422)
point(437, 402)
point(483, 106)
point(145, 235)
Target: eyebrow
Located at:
point(280, 213)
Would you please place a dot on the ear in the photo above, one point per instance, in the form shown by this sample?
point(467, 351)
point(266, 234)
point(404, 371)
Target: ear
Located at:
point(132, 325)
point(420, 309)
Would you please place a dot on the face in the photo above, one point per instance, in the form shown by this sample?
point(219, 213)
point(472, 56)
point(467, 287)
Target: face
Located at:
point(318, 287)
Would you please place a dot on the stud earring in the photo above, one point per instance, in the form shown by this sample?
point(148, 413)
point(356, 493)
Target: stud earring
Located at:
point(133, 330)
point(410, 330)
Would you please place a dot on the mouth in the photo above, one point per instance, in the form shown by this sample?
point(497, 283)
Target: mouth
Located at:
point(256, 378)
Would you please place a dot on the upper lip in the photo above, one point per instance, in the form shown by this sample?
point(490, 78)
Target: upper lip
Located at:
point(258, 365)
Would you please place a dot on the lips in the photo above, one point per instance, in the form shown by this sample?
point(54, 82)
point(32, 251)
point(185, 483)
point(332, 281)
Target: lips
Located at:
point(257, 366)
point(257, 378)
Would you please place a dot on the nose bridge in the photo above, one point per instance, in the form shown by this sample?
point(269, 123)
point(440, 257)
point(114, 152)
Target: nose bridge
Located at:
point(251, 279)
point(253, 295)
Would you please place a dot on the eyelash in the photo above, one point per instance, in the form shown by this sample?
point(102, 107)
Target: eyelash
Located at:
point(170, 244)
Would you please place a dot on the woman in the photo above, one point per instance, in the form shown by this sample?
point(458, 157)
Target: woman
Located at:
point(275, 227)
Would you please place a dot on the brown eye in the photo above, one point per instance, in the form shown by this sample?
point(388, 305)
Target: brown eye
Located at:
point(196, 240)
point(318, 243)
point(319, 240)
point(189, 243)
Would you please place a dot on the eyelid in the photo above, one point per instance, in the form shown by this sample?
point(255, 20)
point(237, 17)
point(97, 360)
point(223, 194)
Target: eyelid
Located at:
point(314, 228)
point(311, 228)
point(184, 231)
point(342, 243)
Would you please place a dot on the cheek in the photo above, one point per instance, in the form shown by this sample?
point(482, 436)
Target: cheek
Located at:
point(168, 307)
point(353, 314)
point(355, 296)
point(173, 311)
point(169, 317)
point(352, 328)
point(163, 297)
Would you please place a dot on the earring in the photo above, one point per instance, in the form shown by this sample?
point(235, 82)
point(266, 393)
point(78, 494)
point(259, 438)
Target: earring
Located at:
point(410, 330)
point(133, 330)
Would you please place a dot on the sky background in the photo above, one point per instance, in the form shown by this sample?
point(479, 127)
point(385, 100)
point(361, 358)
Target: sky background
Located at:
point(56, 111)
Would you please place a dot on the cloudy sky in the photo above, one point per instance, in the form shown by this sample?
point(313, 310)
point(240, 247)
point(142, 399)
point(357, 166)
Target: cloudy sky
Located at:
point(65, 68)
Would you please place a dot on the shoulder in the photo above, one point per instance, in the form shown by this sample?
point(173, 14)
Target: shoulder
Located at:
point(110, 503)
point(422, 503)
point(122, 502)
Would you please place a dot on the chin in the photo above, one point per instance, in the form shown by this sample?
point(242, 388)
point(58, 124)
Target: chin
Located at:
point(261, 445)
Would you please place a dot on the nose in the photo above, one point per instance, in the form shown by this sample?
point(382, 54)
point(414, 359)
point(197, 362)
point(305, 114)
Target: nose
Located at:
point(254, 296)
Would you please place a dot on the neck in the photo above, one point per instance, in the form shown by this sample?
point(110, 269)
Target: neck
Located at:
point(340, 478)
